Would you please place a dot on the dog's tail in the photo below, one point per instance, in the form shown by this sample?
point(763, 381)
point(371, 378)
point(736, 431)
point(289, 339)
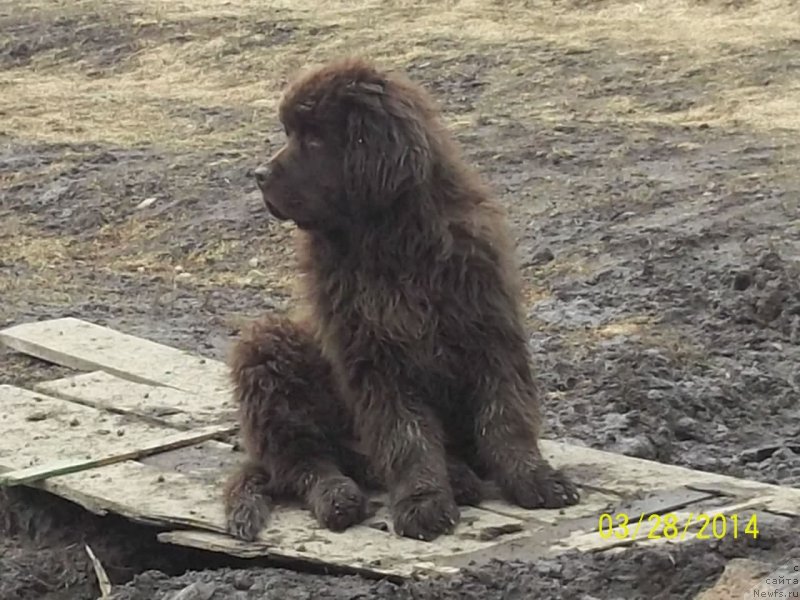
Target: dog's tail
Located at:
point(247, 501)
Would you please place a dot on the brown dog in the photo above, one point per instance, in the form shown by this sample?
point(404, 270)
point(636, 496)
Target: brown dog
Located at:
point(412, 370)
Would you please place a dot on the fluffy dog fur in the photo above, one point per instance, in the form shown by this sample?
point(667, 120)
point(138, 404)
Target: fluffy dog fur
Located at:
point(411, 371)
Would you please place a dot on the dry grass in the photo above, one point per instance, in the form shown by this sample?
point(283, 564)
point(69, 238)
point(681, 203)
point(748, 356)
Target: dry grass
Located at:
point(179, 54)
point(56, 269)
point(151, 73)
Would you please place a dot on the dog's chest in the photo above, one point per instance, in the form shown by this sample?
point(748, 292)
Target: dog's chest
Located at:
point(377, 313)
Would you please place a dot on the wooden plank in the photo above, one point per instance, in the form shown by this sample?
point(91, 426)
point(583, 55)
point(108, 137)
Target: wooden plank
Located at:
point(39, 430)
point(103, 582)
point(542, 540)
point(175, 500)
point(626, 475)
point(592, 503)
point(87, 347)
point(548, 534)
point(214, 542)
point(209, 460)
point(296, 535)
point(80, 344)
point(784, 501)
point(168, 442)
point(146, 493)
point(84, 345)
point(665, 500)
point(161, 404)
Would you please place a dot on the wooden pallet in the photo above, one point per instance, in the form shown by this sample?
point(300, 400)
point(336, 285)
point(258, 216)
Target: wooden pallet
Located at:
point(133, 434)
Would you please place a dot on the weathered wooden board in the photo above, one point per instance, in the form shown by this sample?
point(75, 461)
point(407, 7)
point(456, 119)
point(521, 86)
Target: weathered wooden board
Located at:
point(39, 430)
point(76, 343)
point(171, 406)
point(592, 503)
point(538, 538)
point(144, 494)
point(140, 450)
point(87, 347)
point(381, 565)
point(180, 490)
point(169, 499)
point(158, 404)
point(584, 534)
point(627, 475)
point(163, 404)
point(206, 460)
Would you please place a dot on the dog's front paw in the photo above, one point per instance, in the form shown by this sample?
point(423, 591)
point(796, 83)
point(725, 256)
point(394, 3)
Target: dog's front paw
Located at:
point(246, 518)
point(425, 515)
point(338, 503)
point(541, 486)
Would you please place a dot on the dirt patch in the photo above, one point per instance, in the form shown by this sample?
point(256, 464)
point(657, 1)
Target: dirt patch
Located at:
point(100, 42)
point(78, 190)
point(43, 543)
point(87, 38)
point(679, 290)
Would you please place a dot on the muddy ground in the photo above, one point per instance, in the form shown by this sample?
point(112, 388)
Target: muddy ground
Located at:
point(659, 236)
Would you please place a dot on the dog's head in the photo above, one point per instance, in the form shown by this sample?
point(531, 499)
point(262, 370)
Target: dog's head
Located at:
point(357, 141)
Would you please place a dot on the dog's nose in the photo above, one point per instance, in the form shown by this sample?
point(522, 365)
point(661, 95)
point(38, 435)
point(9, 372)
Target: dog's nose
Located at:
point(261, 173)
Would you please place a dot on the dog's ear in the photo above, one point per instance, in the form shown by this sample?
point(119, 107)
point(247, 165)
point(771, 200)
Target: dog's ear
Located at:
point(388, 151)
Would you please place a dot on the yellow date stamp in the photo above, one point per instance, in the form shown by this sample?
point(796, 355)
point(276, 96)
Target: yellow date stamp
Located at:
point(674, 527)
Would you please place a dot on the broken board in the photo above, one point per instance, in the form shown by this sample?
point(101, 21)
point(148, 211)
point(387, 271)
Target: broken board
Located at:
point(131, 434)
